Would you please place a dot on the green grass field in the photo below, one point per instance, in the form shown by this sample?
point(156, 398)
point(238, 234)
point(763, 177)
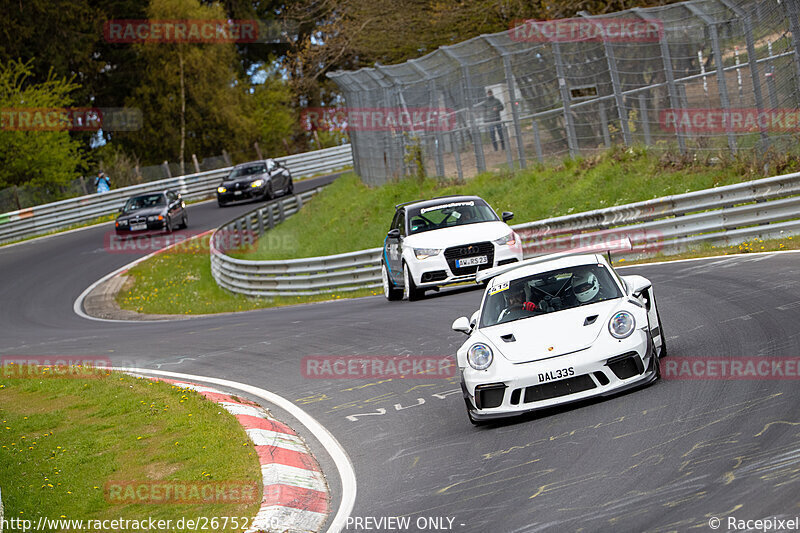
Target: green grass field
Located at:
point(64, 439)
point(349, 216)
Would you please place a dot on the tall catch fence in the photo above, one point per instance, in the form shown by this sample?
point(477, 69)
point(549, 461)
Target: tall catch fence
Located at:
point(704, 77)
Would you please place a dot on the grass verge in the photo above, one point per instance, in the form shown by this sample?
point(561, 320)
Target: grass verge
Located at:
point(68, 441)
point(348, 216)
point(179, 281)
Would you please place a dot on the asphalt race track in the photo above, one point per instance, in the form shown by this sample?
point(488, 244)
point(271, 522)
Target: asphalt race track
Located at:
point(667, 457)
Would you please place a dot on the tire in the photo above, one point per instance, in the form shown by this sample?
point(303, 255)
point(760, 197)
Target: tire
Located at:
point(185, 221)
point(221, 203)
point(269, 194)
point(410, 291)
point(290, 188)
point(391, 292)
point(168, 225)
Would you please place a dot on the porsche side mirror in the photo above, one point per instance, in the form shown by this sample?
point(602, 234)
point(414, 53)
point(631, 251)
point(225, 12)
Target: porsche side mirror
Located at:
point(393, 233)
point(462, 324)
point(637, 285)
point(507, 215)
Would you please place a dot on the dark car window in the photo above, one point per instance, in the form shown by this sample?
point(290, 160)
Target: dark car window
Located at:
point(250, 170)
point(550, 292)
point(448, 214)
point(171, 196)
point(144, 201)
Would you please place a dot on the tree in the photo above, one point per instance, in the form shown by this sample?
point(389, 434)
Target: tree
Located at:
point(35, 157)
point(191, 96)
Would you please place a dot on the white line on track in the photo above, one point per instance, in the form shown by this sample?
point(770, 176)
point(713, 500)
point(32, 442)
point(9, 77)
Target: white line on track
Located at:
point(343, 464)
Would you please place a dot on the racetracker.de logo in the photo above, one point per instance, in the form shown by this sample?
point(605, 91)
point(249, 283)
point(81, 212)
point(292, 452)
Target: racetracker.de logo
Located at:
point(614, 30)
point(546, 241)
point(731, 368)
point(181, 492)
point(738, 120)
point(377, 367)
point(392, 119)
point(53, 366)
point(182, 31)
point(70, 118)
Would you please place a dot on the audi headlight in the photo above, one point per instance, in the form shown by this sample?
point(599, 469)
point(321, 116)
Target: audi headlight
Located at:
point(122, 222)
point(509, 240)
point(221, 189)
point(257, 183)
point(621, 325)
point(479, 356)
point(424, 253)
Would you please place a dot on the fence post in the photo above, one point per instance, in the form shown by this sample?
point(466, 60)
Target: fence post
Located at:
point(753, 63)
point(537, 140)
point(666, 58)
point(719, 68)
point(604, 125)
point(616, 86)
point(792, 13)
point(645, 119)
point(477, 142)
point(512, 96)
point(260, 213)
point(572, 141)
point(258, 148)
point(226, 157)
point(165, 168)
point(196, 164)
point(770, 75)
point(438, 157)
point(270, 216)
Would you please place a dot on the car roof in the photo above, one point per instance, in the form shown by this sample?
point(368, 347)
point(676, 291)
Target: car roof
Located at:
point(546, 266)
point(252, 163)
point(438, 200)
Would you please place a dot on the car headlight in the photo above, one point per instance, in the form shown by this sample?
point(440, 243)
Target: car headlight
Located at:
point(153, 218)
point(222, 189)
point(479, 356)
point(509, 239)
point(621, 325)
point(424, 253)
point(122, 222)
point(257, 183)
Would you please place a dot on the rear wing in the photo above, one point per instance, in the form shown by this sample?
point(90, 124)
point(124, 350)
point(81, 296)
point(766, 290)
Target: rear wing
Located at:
point(620, 245)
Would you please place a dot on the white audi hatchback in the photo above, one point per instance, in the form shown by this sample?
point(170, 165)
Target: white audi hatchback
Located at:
point(442, 241)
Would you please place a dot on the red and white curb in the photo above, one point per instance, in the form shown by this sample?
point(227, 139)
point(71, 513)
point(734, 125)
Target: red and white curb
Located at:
point(296, 496)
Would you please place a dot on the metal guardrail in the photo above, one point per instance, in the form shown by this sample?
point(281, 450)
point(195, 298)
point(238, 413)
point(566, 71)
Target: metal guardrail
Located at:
point(48, 217)
point(765, 208)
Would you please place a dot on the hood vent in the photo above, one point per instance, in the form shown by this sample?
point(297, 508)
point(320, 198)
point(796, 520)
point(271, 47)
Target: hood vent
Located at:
point(590, 320)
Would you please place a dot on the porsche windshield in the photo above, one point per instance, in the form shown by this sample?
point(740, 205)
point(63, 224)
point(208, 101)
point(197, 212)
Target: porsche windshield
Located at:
point(144, 201)
point(548, 292)
point(448, 214)
point(243, 172)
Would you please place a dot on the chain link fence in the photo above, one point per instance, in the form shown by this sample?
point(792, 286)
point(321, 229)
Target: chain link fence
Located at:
point(709, 76)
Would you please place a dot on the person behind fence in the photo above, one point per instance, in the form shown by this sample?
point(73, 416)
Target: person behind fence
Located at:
point(102, 182)
point(493, 106)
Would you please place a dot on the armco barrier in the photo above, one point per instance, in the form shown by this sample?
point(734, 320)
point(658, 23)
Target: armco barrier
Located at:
point(48, 217)
point(732, 214)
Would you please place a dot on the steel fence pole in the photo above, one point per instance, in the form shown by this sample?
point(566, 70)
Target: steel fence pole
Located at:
point(572, 140)
point(666, 58)
point(616, 86)
point(792, 13)
point(512, 96)
point(719, 67)
point(477, 142)
point(752, 61)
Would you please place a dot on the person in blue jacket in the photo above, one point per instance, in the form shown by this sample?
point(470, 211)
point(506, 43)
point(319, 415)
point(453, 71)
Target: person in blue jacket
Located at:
point(102, 182)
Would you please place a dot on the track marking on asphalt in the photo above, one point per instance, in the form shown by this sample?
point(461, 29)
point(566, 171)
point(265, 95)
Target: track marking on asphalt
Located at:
point(324, 437)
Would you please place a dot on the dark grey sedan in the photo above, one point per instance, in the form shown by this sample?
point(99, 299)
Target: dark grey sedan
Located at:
point(256, 180)
point(154, 211)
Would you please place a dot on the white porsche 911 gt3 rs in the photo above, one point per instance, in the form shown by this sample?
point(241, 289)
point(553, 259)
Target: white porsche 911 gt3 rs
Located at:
point(443, 241)
point(557, 329)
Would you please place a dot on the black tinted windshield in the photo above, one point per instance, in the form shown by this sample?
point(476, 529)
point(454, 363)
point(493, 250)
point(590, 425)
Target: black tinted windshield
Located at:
point(243, 172)
point(144, 201)
point(548, 292)
point(447, 214)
